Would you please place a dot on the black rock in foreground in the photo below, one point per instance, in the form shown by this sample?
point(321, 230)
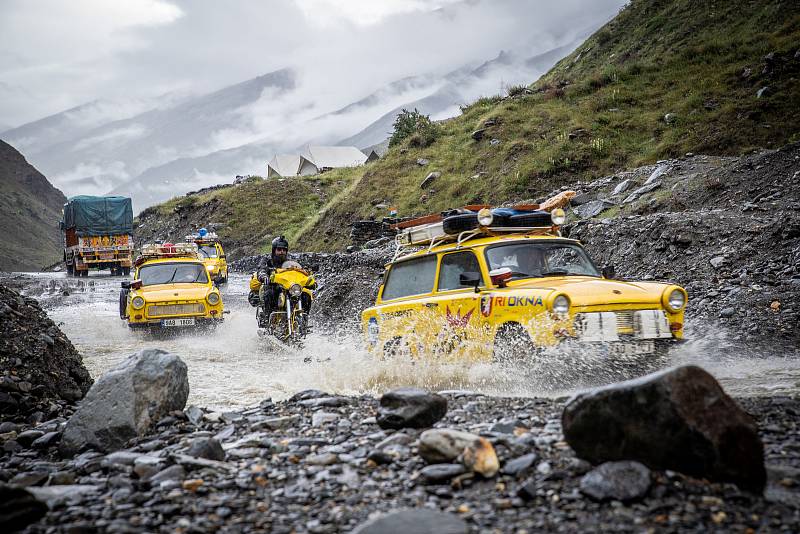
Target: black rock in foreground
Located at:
point(678, 419)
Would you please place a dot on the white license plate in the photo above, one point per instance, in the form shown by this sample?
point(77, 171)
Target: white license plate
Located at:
point(178, 322)
point(631, 348)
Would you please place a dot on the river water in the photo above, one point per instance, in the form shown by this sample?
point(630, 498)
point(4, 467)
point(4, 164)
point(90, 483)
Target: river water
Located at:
point(234, 367)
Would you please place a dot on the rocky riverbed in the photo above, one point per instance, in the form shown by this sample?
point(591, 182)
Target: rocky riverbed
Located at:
point(319, 463)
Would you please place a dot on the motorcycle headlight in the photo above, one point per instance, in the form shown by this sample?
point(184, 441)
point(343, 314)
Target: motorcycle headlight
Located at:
point(485, 217)
point(558, 216)
point(561, 305)
point(676, 300)
point(213, 298)
point(137, 303)
point(295, 290)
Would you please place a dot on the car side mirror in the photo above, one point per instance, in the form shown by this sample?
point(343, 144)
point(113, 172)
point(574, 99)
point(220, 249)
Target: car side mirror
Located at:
point(608, 271)
point(470, 279)
point(125, 285)
point(223, 256)
point(215, 282)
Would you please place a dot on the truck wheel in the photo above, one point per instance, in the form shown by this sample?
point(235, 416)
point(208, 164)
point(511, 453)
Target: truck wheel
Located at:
point(85, 273)
point(126, 271)
point(123, 303)
point(512, 344)
point(70, 270)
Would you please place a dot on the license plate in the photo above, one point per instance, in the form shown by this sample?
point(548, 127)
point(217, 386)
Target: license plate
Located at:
point(178, 322)
point(631, 348)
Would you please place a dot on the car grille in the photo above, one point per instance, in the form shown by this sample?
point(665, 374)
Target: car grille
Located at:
point(162, 310)
point(624, 321)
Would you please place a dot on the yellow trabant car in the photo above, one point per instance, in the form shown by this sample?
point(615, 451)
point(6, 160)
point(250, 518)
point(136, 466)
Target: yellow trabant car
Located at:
point(488, 292)
point(210, 250)
point(171, 289)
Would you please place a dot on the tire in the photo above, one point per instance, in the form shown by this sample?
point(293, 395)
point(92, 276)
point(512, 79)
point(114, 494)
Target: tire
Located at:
point(70, 270)
point(512, 344)
point(123, 303)
point(395, 348)
point(126, 271)
point(462, 222)
point(535, 218)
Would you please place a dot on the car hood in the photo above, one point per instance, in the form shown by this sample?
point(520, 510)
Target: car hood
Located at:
point(173, 292)
point(591, 291)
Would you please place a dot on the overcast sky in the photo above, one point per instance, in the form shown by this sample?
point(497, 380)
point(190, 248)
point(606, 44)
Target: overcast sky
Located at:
point(58, 54)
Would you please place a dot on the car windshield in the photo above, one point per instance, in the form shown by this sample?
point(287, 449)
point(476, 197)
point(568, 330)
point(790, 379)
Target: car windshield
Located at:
point(207, 251)
point(531, 260)
point(173, 273)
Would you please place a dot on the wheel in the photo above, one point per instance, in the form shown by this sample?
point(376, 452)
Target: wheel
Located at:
point(396, 348)
point(114, 271)
point(70, 270)
point(123, 303)
point(126, 271)
point(462, 222)
point(512, 344)
point(535, 218)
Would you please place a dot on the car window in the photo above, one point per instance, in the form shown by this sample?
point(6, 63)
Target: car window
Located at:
point(410, 277)
point(528, 260)
point(453, 265)
point(173, 273)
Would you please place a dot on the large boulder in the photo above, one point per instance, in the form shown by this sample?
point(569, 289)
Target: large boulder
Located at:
point(410, 408)
point(417, 521)
point(18, 508)
point(126, 401)
point(678, 419)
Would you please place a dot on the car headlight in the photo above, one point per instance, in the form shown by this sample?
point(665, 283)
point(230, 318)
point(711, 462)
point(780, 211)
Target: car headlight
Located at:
point(485, 217)
point(561, 305)
point(295, 290)
point(209, 267)
point(676, 300)
point(213, 298)
point(137, 303)
point(558, 216)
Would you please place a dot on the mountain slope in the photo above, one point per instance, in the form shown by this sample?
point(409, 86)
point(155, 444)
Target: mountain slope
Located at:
point(30, 209)
point(104, 157)
point(663, 78)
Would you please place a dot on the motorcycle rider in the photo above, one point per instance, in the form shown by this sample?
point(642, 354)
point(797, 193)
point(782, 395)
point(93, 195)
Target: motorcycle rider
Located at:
point(268, 294)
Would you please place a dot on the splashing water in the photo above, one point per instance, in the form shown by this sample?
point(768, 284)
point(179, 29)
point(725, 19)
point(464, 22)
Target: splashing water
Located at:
point(233, 366)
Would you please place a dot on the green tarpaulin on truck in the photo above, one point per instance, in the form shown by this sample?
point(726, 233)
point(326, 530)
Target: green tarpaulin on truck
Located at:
point(98, 215)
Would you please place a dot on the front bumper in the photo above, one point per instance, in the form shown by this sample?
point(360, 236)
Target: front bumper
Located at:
point(157, 324)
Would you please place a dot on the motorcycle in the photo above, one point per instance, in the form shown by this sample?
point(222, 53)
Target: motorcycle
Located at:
point(292, 294)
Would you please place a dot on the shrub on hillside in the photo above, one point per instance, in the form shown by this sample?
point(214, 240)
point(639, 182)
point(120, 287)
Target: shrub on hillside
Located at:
point(416, 127)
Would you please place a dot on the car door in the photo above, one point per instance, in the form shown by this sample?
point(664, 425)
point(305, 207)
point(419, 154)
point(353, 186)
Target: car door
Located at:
point(404, 303)
point(461, 332)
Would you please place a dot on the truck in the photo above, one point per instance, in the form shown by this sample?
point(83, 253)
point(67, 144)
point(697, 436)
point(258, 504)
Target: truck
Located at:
point(98, 235)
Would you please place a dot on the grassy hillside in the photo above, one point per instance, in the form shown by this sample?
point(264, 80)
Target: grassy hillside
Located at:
point(665, 77)
point(247, 216)
point(30, 209)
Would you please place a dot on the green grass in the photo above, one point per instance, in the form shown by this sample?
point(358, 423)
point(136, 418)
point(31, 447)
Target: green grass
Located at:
point(601, 109)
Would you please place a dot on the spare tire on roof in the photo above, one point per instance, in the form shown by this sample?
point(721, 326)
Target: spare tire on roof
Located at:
point(534, 218)
point(461, 222)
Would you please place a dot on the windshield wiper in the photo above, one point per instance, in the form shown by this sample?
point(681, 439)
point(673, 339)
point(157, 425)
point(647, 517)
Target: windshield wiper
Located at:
point(171, 278)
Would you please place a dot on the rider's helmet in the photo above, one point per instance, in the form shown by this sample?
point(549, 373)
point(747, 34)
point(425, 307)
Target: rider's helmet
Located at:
point(280, 250)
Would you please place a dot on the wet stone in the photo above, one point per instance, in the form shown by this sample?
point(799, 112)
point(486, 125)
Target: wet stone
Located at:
point(519, 465)
point(410, 408)
point(418, 521)
point(440, 473)
point(209, 448)
point(622, 481)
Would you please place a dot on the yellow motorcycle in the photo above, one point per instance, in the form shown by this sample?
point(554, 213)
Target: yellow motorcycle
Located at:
point(291, 295)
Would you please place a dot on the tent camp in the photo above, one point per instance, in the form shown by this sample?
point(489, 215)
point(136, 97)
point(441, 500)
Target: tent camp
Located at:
point(283, 165)
point(317, 159)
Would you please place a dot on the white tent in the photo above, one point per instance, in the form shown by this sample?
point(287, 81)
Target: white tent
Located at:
point(284, 165)
point(319, 158)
